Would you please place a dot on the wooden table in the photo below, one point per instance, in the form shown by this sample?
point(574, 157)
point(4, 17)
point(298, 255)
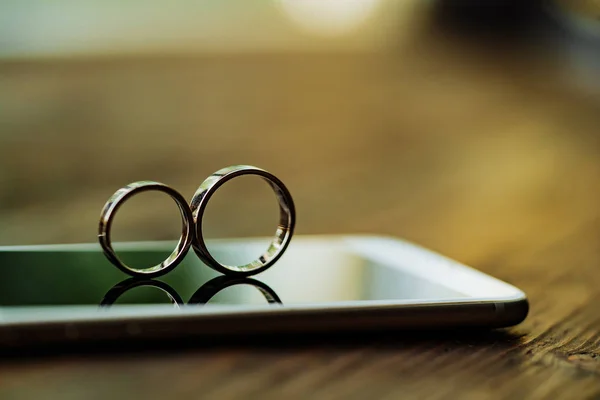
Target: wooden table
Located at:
point(485, 155)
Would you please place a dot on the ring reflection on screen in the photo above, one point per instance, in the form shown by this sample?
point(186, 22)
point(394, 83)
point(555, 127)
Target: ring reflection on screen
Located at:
point(128, 284)
point(215, 285)
point(202, 296)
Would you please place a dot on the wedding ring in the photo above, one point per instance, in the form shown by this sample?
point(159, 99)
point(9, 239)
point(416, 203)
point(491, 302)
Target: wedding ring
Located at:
point(283, 234)
point(110, 209)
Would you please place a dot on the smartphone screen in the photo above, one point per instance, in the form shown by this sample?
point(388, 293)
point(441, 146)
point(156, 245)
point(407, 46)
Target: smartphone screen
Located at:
point(311, 272)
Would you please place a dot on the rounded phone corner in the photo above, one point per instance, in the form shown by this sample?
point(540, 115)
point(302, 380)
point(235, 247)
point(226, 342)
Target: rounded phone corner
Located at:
point(513, 312)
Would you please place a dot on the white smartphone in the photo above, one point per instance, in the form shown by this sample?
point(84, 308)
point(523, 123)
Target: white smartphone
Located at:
point(71, 293)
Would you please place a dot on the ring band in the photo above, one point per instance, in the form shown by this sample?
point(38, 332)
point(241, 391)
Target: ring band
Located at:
point(109, 211)
point(283, 234)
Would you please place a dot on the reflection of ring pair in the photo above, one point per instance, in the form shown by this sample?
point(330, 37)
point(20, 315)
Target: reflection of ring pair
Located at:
point(191, 217)
point(201, 296)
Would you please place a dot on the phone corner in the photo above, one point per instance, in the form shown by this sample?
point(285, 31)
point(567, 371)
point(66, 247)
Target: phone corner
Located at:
point(513, 312)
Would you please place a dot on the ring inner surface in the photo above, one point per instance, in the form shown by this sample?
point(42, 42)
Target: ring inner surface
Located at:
point(281, 234)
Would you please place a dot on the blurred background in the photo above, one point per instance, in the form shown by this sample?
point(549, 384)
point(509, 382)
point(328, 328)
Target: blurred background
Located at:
point(466, 126)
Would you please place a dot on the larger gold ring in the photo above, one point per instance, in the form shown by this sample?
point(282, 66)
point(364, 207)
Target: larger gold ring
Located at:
point(283, 234)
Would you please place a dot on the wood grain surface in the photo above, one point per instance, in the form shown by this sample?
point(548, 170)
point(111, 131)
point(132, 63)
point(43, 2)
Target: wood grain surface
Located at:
point(486, 154)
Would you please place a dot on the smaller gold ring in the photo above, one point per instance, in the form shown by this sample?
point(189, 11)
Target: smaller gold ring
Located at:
point(109, 211)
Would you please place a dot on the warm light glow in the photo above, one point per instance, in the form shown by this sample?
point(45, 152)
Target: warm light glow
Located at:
point(329, 17)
